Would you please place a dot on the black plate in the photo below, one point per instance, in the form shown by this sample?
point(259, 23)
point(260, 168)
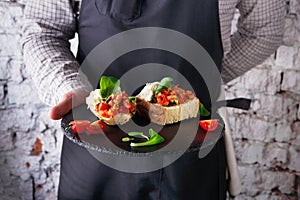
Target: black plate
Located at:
point(111, 140)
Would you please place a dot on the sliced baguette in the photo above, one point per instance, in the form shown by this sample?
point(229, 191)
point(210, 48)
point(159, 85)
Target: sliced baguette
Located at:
point(94, 98)
point(162, 115)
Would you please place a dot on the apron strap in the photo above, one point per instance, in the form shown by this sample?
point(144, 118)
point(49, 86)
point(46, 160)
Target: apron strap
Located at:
point(239, 103)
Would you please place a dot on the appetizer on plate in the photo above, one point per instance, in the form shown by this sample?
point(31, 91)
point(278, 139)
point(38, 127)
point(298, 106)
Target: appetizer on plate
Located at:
point(110, 103)
point(163, 103)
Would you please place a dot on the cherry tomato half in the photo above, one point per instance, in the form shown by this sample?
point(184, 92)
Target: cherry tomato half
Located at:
point(96, 127)
point(103, 106)
point(209, 125)
point(79, 126)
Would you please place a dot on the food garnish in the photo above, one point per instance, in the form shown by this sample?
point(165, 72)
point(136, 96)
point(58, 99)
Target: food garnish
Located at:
point(96, 127)
point(203, 111)
point(110, 103)
point(154, 138)
point(80, 126)
point(108, 86)
point(164, 84)
point(209, 125)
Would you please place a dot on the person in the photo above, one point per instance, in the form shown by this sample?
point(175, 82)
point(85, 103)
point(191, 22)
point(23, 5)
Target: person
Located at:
point(50, 24)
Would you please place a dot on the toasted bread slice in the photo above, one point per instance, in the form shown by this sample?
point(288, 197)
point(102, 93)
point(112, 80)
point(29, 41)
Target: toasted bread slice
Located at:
point(162, 115)
point(94, 98)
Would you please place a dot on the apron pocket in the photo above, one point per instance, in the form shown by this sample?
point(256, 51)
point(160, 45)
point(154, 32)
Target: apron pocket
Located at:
point(122, 10)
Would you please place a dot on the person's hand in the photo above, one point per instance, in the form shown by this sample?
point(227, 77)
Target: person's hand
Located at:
point(69, 101)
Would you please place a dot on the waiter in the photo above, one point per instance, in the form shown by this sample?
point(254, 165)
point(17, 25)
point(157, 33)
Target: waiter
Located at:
point(50, 24)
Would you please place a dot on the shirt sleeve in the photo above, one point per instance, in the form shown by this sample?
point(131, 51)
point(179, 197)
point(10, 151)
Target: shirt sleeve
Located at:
point(48, 26)
point(259, 33)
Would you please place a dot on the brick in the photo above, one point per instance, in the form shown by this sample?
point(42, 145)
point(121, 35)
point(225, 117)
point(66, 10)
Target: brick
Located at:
point(10, 46)
point(285, 57)
point(44, 120)
point(241, 127)
point(283, 132)
point(274, 196)
point(249, 178)
point(276, 154)
point(21, 94)
point(6, 138)
point(260, 130)
point(297, 56)
point(4, 73)
point(291, 80)
point(11, 18)
point(290, 36)
point(262, 80)
point(294, 153)
point(275, 107)
point(1, 92)
point(249, 153)
point(17, 119)
point(15, 69)
point(283, 181)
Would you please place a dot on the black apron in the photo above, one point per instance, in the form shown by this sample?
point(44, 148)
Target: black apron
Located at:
point(84, 177)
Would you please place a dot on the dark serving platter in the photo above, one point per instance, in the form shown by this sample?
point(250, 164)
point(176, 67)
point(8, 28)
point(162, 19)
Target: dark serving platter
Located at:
point(182, 136)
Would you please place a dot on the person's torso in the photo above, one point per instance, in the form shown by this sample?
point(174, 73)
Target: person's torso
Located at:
point(199, 20)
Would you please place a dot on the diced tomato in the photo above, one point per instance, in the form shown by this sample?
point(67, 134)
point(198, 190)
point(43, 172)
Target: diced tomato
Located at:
point(123, 109)
point(118, 98)
point(96, 127)
point(115, 112)
point(182, 100)
point(189, 94)
point(105, 115)
point(124, 95)
point(103, 106)
point(126, 103)
point(209, 125)
point(131, 108)
point(162, 99)
point(79, 126)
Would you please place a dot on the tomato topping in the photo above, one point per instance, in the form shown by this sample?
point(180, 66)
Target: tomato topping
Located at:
point(209, 125)
point(118, 98)
point(103, 106)
point(115, 112)
point(79, 126)
point(106, 115)
point(123, 109)
point(131, 108)
point(162, 99)
point(96, 127)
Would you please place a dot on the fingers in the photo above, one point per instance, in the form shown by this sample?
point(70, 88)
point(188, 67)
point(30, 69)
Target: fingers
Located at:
point(70, 100)
point(62, 108)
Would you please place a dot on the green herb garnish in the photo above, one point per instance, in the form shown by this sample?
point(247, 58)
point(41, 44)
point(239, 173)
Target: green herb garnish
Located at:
point(165, 83)
point(203, 111)
point(154, 139)
point(127, 139)
point(108, 86)
point(138, 135)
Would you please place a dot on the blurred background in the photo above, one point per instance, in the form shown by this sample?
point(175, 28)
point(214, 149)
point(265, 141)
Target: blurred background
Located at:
point(266, 138)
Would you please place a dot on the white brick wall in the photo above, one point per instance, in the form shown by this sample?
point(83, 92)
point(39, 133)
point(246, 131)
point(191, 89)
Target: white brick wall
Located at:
point(267, 138)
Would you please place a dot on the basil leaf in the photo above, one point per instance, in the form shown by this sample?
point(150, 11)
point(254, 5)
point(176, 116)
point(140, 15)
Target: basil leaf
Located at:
point(138, 135)
point(154, 139)
point(203, 111)
point(108, 86)
point(165, 83)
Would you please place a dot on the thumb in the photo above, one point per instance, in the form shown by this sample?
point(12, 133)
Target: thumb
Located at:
point(70, 100)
